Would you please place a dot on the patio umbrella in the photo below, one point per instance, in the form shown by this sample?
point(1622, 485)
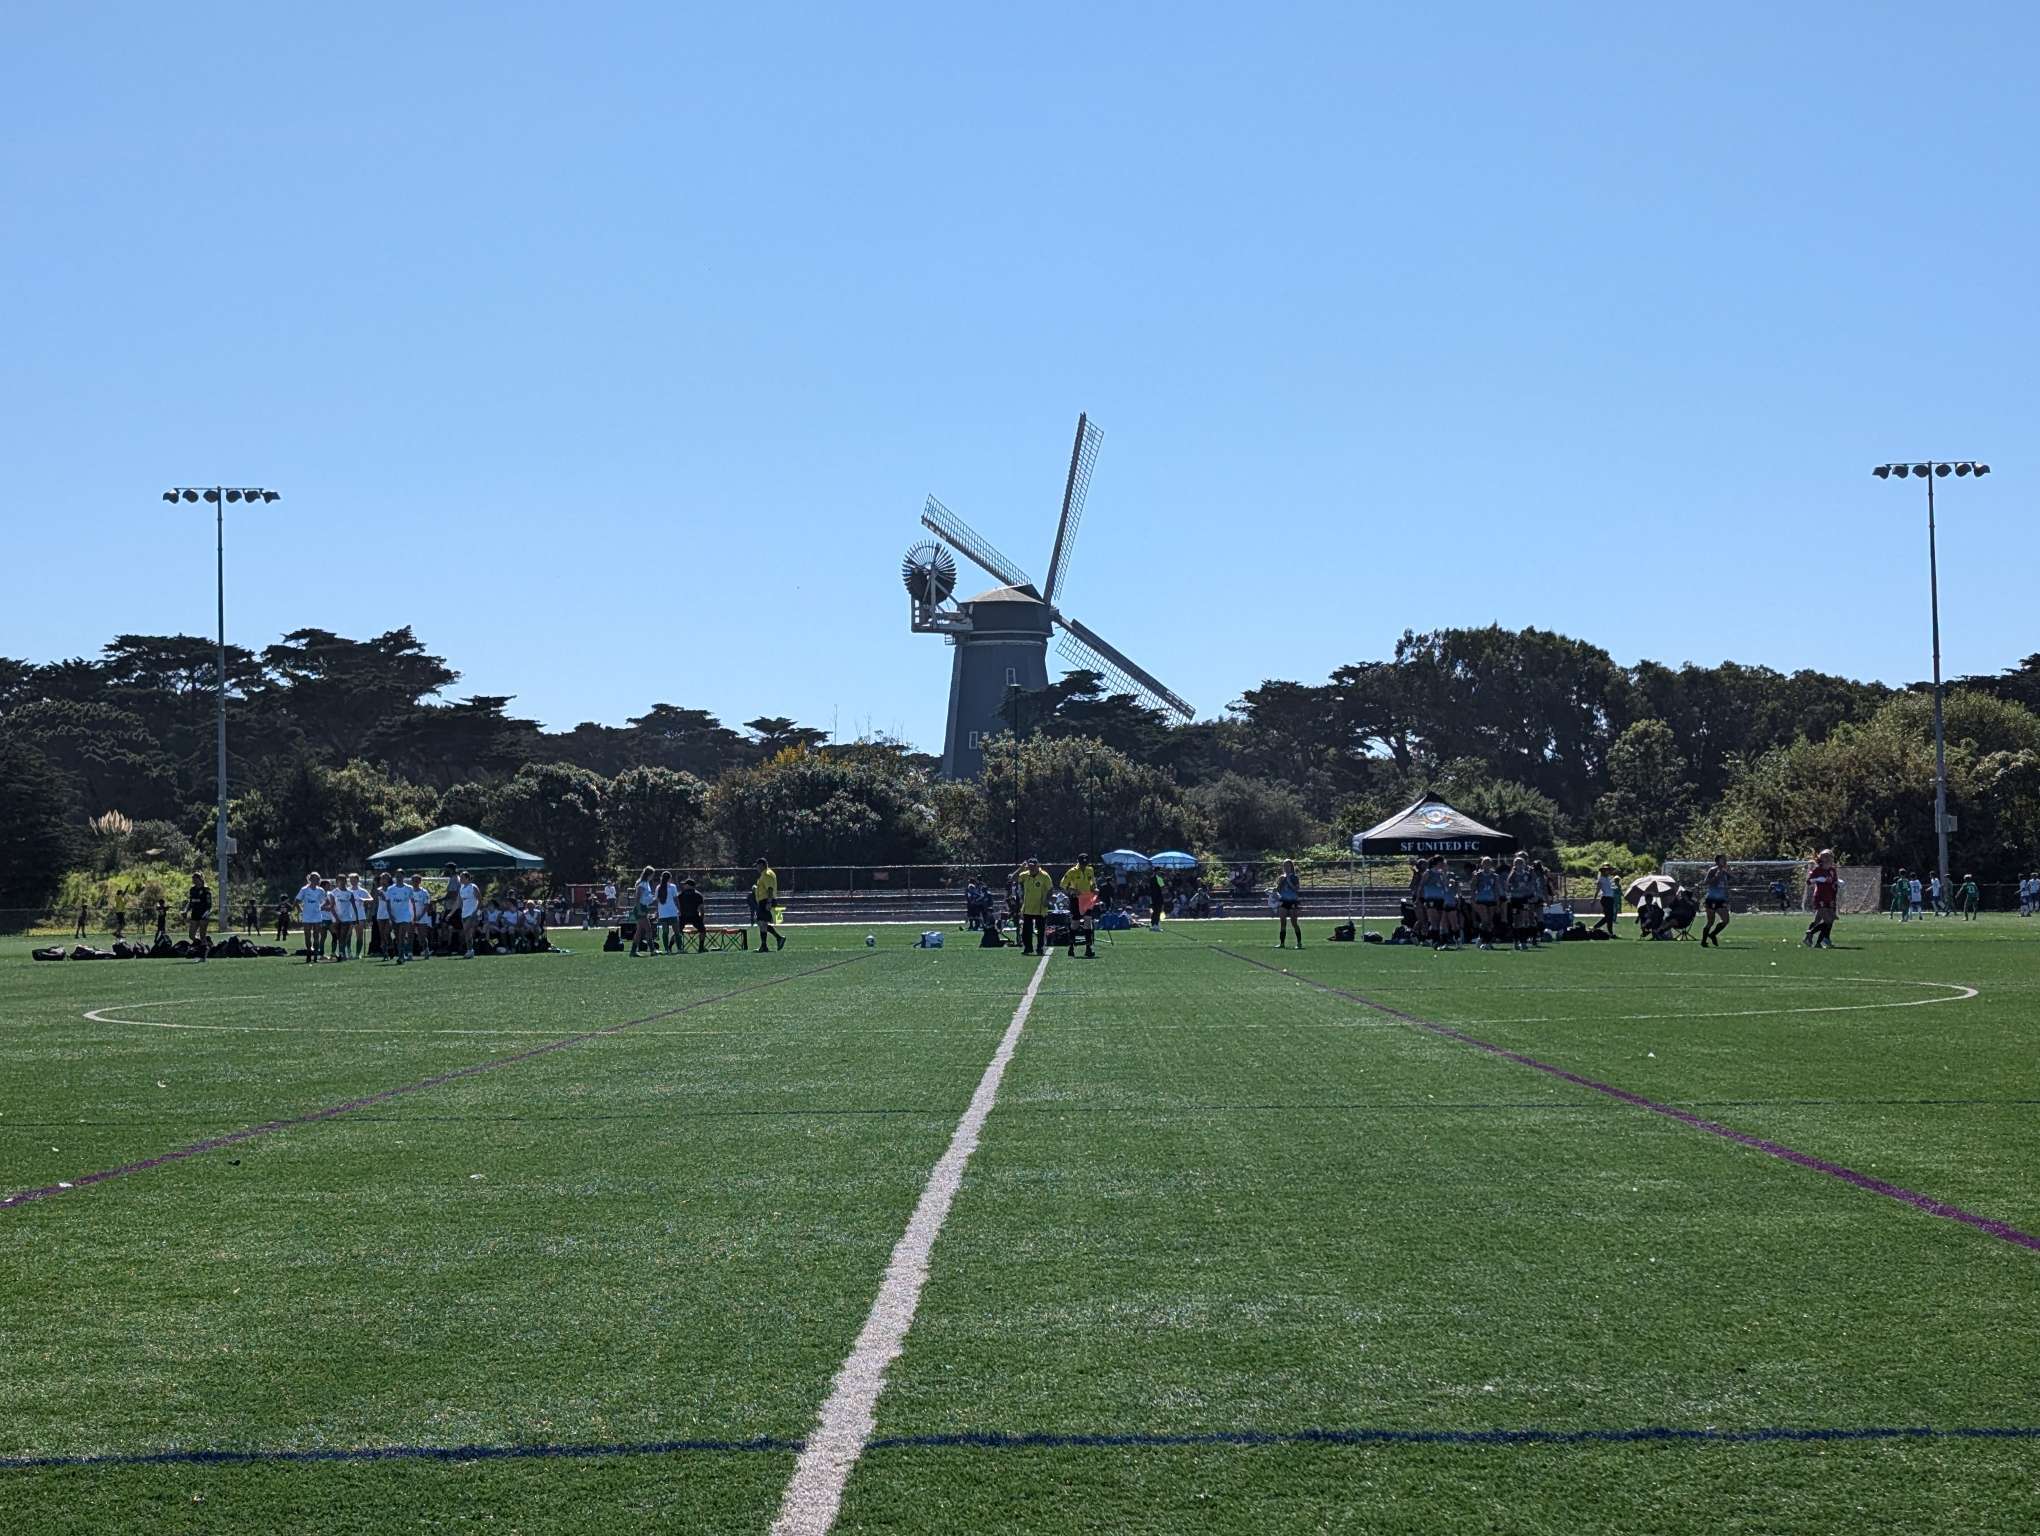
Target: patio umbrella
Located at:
point(1660, 886)
point(1124, 858)
point(1173, 860)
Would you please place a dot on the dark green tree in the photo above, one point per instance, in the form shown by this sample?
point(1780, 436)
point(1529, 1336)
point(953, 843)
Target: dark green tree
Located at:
point(654, 816)
point(37, 827)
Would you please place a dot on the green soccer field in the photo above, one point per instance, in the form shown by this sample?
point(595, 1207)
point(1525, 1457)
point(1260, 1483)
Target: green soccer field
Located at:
point(1622, 1236)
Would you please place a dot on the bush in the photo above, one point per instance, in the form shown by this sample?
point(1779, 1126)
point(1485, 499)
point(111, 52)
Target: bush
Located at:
point(146, 884)
point(1587, 859)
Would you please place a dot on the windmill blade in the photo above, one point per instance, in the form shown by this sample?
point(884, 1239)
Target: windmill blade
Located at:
point(1091, 650)
point(974, 545)
point(1083, 453)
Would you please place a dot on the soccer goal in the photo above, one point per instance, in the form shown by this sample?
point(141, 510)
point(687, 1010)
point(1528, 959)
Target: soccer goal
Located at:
point(1778, 885)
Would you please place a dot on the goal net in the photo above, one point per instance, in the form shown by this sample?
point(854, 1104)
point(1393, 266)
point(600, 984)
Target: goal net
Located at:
point(1778, 885)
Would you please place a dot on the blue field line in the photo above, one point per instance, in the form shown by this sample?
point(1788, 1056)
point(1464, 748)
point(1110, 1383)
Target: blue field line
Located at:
point(1043, 1440)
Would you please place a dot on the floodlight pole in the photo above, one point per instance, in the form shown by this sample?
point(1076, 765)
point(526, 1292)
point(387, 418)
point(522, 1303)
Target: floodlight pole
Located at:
point(218, 496)
point(1930, 471)
point(1940, 744)
point(220, 743)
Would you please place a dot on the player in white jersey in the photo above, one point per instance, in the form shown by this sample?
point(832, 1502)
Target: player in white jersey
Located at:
point(399, 895)
point(470, 913)
point(311, 901)
point(357, 900)
point(421, 919)
point(341, 930)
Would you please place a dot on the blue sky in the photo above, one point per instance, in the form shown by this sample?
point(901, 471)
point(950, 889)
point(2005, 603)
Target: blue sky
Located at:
point(615, 347)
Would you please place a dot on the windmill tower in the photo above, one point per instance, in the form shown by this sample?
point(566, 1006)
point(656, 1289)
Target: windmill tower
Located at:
point(1001, 636)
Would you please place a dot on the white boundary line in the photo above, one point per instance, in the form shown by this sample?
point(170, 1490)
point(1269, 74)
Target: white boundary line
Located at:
point(814, 1494)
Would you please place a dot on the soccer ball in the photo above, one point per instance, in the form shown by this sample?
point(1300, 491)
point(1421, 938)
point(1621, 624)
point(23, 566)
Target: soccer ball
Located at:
point(871, 941)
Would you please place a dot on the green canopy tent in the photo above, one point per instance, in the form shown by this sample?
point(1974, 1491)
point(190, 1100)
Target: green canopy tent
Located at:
point(454, 845)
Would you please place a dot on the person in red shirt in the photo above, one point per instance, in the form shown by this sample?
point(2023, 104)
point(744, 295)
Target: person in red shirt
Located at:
point(1823, 888)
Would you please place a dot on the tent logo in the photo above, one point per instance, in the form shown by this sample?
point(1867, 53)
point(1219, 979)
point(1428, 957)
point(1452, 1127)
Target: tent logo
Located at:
point(1437, 818)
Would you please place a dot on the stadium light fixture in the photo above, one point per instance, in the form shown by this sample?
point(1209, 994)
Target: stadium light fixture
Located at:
point(219, 496)
point(1929, 471)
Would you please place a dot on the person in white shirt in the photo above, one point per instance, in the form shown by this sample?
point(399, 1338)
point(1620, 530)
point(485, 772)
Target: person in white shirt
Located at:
point(311, 900)
point(421, 919)
point(363, 901)
point(341, 905)
point(470, 912)
point(1610, 895)
point(1912, 898)
point(399, 897)
point(669, 909)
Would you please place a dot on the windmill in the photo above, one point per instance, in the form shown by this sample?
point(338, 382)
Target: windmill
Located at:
point(1001, 636)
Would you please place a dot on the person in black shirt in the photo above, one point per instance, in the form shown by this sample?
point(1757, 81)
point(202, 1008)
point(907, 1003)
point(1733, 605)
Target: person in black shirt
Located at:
point(199, 908)
point(692, 915)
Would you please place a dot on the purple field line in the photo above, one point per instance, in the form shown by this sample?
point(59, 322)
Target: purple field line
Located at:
point(2003, 1231)
point(332, 1111)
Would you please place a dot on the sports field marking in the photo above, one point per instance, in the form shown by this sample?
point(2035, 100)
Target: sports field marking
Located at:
point(2003, 1231)
point(1053, 1440)
point(814, 1494)
point(1955, 992)
point(332, 1111)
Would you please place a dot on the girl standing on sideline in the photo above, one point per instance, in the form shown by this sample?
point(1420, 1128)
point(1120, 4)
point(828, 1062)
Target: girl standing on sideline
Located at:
point(669, 910)
point(1717, 902)
point(1611, 899)
point(1288, 897)
point(642, 912)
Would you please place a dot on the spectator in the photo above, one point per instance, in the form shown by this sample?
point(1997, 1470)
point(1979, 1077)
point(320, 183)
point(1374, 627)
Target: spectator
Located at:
point(1610, 897)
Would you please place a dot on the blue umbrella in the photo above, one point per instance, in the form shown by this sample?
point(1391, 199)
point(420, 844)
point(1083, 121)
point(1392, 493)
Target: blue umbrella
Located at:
point(1173, 860)
point(1124, 858)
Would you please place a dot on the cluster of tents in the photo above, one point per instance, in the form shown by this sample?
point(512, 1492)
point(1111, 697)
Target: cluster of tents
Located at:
point(1128, 861)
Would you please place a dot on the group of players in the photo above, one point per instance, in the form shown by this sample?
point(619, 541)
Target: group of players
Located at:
point(399, 919)
point(1489, 905)
point(1912, 898)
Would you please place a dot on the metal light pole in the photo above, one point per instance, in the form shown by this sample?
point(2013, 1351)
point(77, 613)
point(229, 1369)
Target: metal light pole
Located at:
point(1930, 471)
point(219, 496)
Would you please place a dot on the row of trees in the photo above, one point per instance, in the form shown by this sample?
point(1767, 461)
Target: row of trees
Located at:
point(345, 745)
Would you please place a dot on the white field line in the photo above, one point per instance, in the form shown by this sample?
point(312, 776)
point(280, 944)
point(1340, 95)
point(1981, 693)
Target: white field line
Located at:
point(814, 1494)
point(1953, 992)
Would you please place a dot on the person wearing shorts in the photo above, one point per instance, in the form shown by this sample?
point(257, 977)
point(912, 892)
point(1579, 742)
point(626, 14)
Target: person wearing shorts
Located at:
point(470, 913)
point(693, 914)
point(1432, 890)
point(1522, 888)
point(399, 895)
point(1717, 902)
point(311, 900)
point(198, 908)
point(1487, 893)
point(1288, 902)
point(421, 919)
point(642, 912)
point(1610, 897)
point(1823, 891)
point(764, 894)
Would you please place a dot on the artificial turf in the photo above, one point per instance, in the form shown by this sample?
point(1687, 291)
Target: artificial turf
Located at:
point(1241, 1250)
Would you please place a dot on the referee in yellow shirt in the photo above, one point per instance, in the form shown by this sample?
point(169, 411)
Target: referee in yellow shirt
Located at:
point(1081, 886)
point(764, 892)
point(1035, 884)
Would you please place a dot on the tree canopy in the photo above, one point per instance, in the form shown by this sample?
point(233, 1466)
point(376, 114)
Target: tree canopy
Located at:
point(339, 745)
